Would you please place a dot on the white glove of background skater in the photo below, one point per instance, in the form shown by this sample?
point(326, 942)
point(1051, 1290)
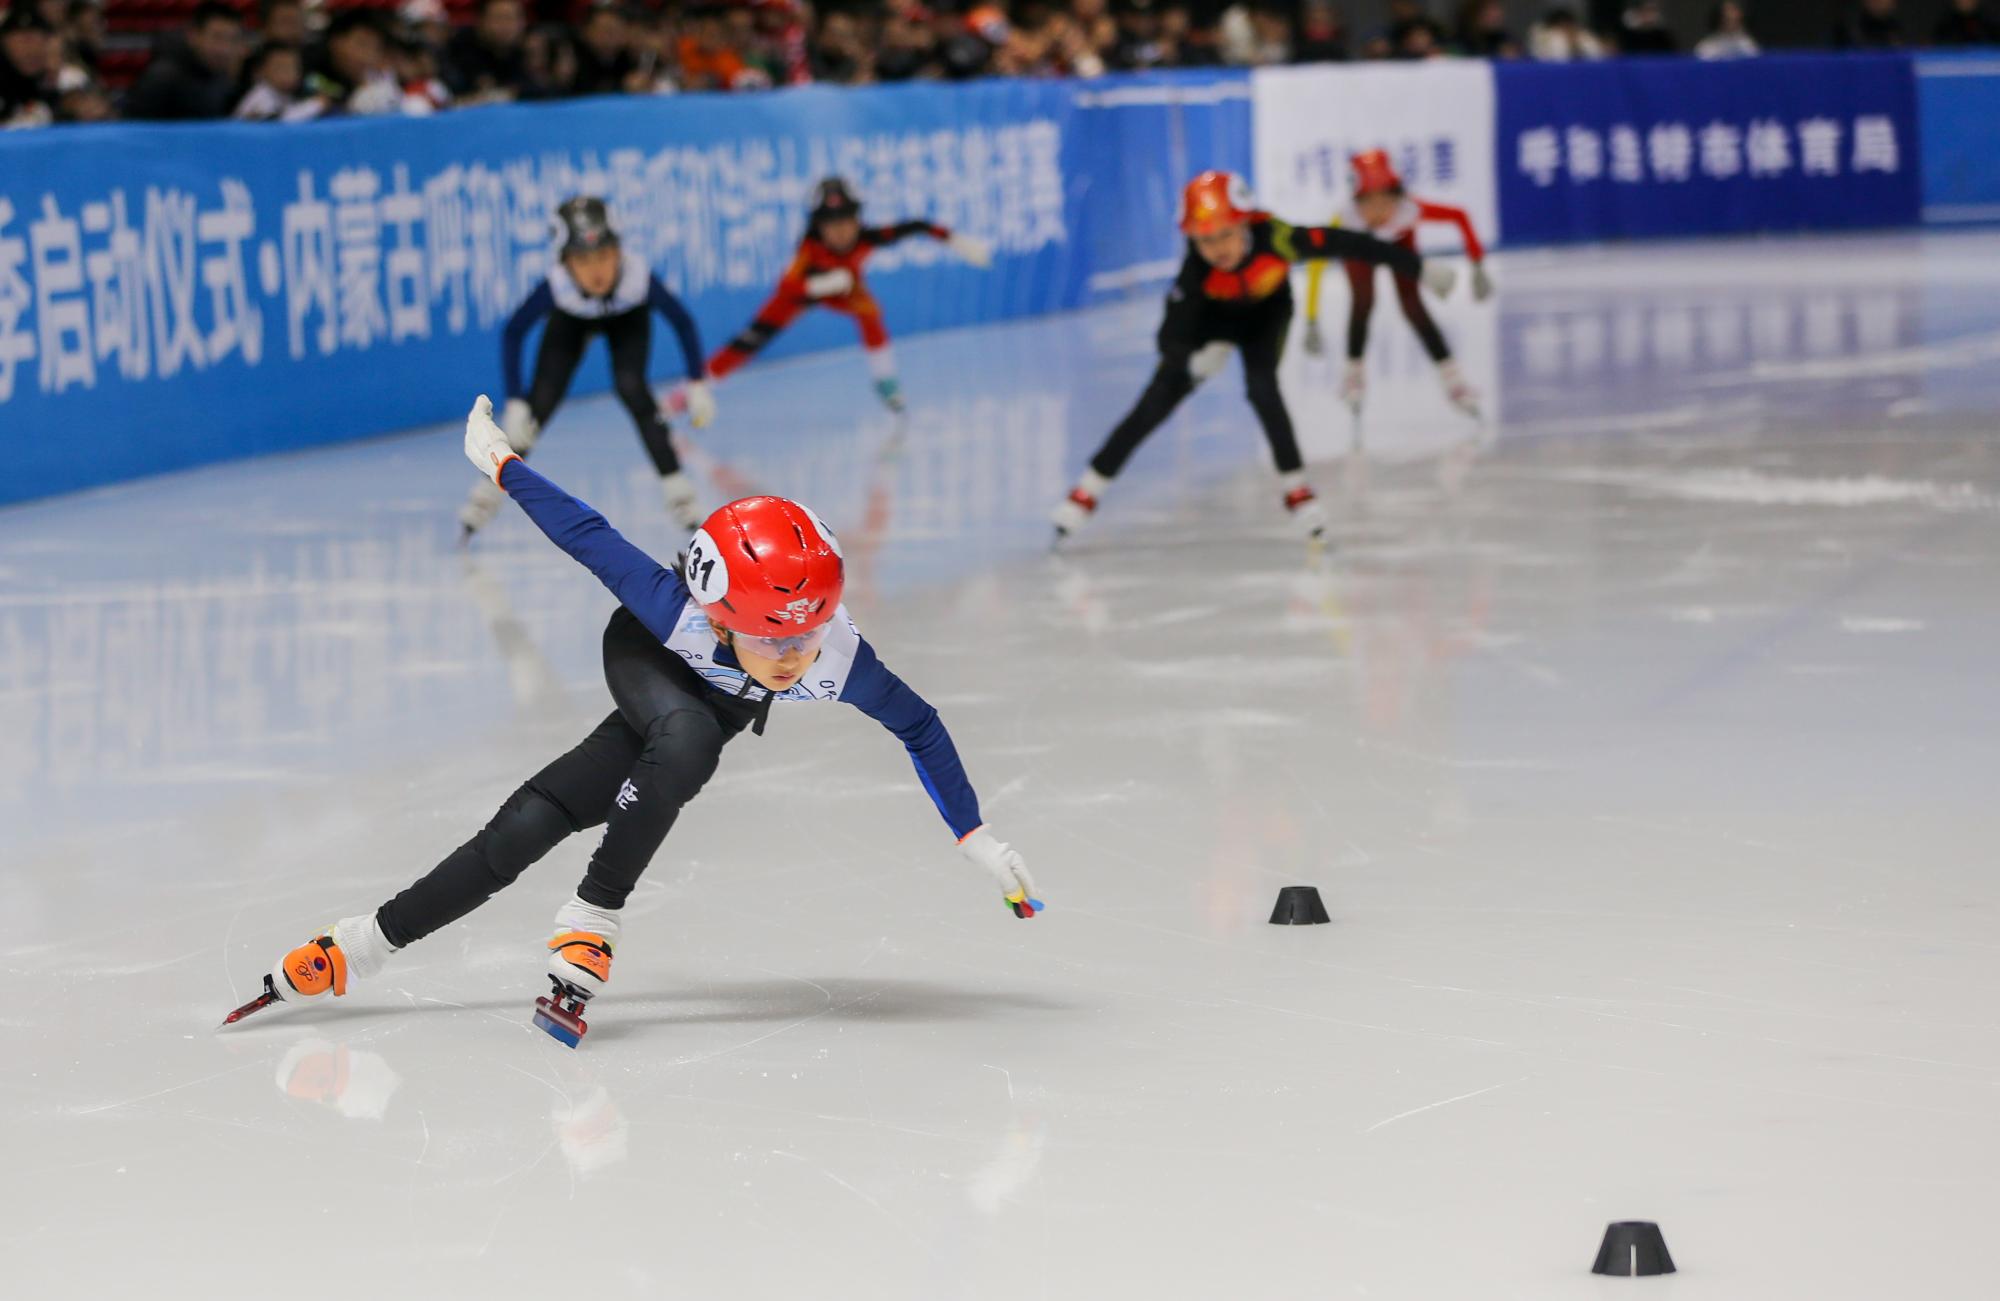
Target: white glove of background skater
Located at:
point(700, 400)
point(1009, 871)
point(517, 418)
point(1439, 277)
point(971, 249)
point(1482, 284)
point(837, 283)
point(486, 444)
point(1315, 342)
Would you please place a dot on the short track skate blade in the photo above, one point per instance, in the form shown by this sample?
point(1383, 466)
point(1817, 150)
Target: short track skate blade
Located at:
point(257, 1004)
point(563, 1026)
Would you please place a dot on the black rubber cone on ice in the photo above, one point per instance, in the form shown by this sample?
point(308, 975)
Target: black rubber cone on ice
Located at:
point(1299, 905)
point(1633, 1248)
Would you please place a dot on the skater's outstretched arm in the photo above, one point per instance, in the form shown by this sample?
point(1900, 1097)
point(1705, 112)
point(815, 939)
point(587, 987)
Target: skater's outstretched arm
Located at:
point(515, 335)
point(671, 309)
point(646, 587)
point(1456, 217)
point(887, 699)
point(879, 236)
point(1313, 243)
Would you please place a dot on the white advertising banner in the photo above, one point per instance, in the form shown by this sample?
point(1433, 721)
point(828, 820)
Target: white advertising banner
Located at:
point(1435, 120)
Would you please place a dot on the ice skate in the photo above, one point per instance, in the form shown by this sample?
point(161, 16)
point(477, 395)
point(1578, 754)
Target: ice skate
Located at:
point(1354, 385)
point(1302, 504)
point(683, 501)
point(579, 968)
point(1458, 390)
point(890, 390)
point(479, 509)
point(352, 946)
point(1077, 508)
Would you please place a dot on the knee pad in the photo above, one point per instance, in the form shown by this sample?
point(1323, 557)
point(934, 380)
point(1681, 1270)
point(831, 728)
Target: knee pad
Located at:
point(1208, 361)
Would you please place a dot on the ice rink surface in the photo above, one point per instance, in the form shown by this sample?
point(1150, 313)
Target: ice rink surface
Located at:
point(1641, 745)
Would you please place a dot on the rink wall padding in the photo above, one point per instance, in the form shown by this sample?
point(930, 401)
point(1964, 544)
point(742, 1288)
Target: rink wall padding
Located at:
point(175, 295)
point(1958, 107)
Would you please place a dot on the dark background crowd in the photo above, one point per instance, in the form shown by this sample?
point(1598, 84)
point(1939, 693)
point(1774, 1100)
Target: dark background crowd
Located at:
point(293, 61)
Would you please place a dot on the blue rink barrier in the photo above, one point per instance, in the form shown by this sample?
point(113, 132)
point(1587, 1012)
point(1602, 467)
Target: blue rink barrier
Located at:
point(1645, 148)
point(175, 295)
point(1958, 111)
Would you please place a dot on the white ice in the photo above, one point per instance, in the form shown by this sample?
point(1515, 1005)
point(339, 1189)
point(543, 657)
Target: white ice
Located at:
point(1641, 744)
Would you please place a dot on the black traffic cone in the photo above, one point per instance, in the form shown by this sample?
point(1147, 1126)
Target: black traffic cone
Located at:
point(1633, 1248)
point(1299, 905)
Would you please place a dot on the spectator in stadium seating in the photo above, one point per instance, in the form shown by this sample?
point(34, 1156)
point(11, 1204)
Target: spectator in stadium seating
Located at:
point(194, 79)
point(414, 63)
point(1322, 35)
point(605, 61)
point(82, 35)
point(1070, 52)
point(1098, 25)
point(1560, 38)
point(1189, 44)
point(488, 61)
point(656, 45)
point(1422, 39)
point(966, 45)
point(1642, 29)
point(80, 99)
point(709, 57)
point(349, 71)
point(27, 60)
point(1140, 43)
point(1877, 26)
point(1255, 35)
point(548, 60)
point(428, 23)
point(909, 46)
point(1963, 23)
point(777, 35)
point(842, 55)
point(1728, 34)
point(1482, 31)
point(276, 72)
point(284, 23)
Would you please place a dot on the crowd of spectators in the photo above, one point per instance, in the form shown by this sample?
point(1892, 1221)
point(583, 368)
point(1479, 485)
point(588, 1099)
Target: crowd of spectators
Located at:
point(295, 60)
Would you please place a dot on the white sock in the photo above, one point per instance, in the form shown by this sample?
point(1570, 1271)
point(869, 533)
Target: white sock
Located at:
point(1092, 483)
point(366, 947)
point(677, 487)
point(882, 362)
point(576, 915)
point(1292, 480)
point(1448, 370)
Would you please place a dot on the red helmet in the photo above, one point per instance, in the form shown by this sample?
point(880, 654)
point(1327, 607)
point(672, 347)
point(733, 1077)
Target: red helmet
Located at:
point(765, 567)
point(1215, 200)
point(1373, 173)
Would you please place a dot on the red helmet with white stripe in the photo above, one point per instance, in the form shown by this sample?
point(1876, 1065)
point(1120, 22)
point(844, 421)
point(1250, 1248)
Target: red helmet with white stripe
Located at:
point(1374, 174)
point(1215, 201)
point(765, 567)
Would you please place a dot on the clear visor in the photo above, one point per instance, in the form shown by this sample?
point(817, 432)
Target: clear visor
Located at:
point(776, 648)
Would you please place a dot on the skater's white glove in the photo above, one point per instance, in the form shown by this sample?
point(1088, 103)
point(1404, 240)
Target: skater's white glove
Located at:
point(971, 249)
point(700, 400)
point(1439, 277)
point(1315, 342)
point(518, 420)
point(1482, 284)
point(1208, 360)
point(1009, 872)
point(486, 444)
point(837, 283)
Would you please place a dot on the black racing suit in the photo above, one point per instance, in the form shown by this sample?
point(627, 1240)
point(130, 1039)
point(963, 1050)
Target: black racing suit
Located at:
point(1249, 306)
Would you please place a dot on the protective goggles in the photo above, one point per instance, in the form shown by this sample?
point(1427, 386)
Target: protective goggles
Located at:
point(776, 648)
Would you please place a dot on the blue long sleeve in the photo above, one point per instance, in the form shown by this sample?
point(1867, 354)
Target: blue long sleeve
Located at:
point(676, 315)
point(887, 699)
point(515, 335)
point(646, 587)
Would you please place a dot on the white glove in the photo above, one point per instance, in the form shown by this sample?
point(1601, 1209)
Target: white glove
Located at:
point(971, 249)
point(1482, 284)
point(1010, 873)
point(837, 283)
point(486, 445)
point(1208, 360)
point(518, 420)
point(700, 399)
point(1315, 341)
point(1439, 277)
